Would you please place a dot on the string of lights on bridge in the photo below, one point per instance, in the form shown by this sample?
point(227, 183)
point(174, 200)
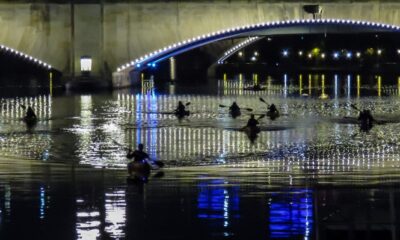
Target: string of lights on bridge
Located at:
point(236, 48)
point(25, 56)
point(141, 61)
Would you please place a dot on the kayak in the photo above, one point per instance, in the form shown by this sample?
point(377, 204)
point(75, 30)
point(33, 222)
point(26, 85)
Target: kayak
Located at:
point(182, 114)
point(269, 128)
point(354, 120)
point(139, 168)
point(251, 130)
point(30, 121)
point(273, 115)
point(235, 114)
point(254, 89)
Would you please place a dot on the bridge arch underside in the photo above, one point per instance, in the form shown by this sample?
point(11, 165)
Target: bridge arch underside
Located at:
point(198, 59)
point(19, 70)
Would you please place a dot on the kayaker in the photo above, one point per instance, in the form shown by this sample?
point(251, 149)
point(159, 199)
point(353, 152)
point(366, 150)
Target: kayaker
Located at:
point(181, 108)
point(138, 156)
point(272, 109)
point(30, 114)
point(234, 110)
point(234, 107)
point(366, 117)
point(252, 123)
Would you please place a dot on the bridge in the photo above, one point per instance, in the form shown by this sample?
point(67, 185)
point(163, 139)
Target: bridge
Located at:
point(119, 35)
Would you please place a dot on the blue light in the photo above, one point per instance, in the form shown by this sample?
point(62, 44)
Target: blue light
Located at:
point(138, 65)
point(335, 55)
point(153, 65)
point(349, 55)
point(285, 53)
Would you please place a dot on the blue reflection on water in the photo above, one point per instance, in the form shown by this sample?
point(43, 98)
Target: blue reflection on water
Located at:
point(42, 205)
point(138, 118)
point(153, 124)
point(293, 216)
point(218, 202)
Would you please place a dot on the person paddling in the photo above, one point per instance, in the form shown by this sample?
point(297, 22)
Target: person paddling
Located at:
point(272, 112)
point(272, 109)
point(234, 110)
point(252, 122)
point(138, 163)
point(366, 119)
point(30, 114)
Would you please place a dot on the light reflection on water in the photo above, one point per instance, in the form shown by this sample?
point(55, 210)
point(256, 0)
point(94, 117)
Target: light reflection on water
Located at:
point(310, 139)
point(311, 134)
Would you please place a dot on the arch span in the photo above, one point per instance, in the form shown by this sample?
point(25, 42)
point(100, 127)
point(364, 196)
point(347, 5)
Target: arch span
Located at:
point(26, 57)
point(298, 26)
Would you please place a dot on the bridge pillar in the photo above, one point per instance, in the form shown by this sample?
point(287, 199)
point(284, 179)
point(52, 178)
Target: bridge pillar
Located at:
point(172, 69)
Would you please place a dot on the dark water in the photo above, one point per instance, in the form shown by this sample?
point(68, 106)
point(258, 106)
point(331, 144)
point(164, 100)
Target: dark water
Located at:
point(310, 174)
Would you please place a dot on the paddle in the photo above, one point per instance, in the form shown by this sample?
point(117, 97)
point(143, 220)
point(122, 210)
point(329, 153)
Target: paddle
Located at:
point(158, 163)
point(248, 109)
point(262, 100)
point(354, 107)
point(373, 120)
point(261, 116)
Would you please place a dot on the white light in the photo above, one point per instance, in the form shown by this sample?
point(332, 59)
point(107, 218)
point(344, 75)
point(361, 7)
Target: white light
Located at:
point(348, 55)
point(322, 55)
point(300, 53)
point(285, 53)
point(335, 55)
point(309, 55)
point(358, 54)
point(253, 58)
point(255, 53)
point(379, 51)
point(86, 64)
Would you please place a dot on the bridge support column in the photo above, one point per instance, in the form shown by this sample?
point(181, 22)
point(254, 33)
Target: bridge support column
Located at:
point(172, 69)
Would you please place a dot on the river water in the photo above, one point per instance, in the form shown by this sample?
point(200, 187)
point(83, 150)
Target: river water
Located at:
point(309, 174)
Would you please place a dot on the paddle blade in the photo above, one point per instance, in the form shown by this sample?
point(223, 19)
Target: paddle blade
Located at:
point(262, 100)
point(188, 103)
point(249, 109)
point(354, 107)
point(22, 106)
point(261, 116)
point(222, 106)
